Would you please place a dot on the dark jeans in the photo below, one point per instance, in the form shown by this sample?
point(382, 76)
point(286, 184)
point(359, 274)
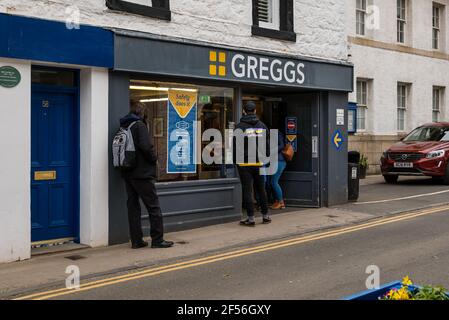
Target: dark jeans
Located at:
point(146, 190)
point(250, 176)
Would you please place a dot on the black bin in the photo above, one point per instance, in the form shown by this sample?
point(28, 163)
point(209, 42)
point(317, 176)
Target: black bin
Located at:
point(353, 175)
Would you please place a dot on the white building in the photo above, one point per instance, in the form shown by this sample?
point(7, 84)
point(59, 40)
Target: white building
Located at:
point(47, 51)
point(401, 62)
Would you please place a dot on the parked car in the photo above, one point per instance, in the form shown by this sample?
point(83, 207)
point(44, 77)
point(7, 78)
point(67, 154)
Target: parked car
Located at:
point(424, 152)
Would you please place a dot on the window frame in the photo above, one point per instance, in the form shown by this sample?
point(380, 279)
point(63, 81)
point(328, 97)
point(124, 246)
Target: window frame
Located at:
point(362, 86)
point(436, 26)
point(402, 105)
point(360, 12)
point(437, 98)
point(286, 22)
point(401, 29)
point(162, 12)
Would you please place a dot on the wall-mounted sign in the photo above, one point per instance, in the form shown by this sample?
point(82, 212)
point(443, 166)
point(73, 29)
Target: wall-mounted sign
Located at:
point(291, 132)
point(340, 117)
point(337, 140)
point(182, 116)
point(9, 77)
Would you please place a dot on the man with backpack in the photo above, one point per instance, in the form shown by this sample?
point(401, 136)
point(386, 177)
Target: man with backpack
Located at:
point(134, 155)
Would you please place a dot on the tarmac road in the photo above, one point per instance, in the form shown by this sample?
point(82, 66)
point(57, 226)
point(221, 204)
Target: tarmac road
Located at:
point(323, 268)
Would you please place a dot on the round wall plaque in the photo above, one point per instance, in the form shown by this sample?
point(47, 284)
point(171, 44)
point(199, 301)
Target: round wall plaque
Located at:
point(9, 77)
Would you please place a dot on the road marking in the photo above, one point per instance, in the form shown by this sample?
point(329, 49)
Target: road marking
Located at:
point(403, 198)
point(229, 255)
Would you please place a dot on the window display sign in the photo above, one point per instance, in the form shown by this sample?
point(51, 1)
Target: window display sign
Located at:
point(181, 135)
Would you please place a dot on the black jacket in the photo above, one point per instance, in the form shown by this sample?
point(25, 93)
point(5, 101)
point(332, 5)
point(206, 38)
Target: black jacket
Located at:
point(248, 124)
point(146, 157)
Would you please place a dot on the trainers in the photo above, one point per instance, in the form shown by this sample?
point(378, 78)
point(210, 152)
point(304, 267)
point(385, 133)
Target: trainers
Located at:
point(266, 220)
point(248, 223)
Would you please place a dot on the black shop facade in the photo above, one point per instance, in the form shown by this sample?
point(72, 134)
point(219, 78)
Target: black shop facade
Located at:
point(302, 97)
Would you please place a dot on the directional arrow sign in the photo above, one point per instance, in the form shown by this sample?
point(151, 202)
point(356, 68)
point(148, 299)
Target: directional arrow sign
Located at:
point(338, 139)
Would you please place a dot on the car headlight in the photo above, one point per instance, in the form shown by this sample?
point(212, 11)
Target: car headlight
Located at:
point(435, 154)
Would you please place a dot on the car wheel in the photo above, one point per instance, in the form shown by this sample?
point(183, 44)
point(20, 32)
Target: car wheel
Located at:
point(446, 176)
point(391, 179)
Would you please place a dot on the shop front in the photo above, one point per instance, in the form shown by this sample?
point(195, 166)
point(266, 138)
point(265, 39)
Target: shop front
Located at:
point(192, 89)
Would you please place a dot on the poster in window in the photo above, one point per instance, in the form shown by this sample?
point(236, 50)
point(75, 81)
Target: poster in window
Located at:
point(181, 131)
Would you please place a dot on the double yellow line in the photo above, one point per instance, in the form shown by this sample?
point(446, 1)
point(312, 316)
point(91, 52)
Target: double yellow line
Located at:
point(228, 255)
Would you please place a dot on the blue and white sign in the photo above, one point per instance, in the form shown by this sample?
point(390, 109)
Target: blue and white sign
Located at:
point(182, 116)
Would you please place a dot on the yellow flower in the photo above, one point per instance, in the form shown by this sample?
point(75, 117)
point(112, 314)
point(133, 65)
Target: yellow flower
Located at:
point(400, 294)
point(406, 281)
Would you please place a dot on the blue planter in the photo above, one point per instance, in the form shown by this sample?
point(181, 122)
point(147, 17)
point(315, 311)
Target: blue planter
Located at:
point(370, 295)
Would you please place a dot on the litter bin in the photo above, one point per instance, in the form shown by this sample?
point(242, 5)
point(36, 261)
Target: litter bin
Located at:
point(353, 175)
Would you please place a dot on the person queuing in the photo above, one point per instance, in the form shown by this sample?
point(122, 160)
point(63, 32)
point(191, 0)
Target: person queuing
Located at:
point(140, 182)
point(250, 174)
point(273, 180)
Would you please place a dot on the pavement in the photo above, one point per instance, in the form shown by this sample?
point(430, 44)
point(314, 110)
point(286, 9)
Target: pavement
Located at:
point(377, 200)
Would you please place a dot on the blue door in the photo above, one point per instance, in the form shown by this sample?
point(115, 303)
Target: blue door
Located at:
point(54, 158)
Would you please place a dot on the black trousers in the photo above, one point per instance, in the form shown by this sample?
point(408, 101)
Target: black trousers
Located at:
point(250, 176)
point(144, 189)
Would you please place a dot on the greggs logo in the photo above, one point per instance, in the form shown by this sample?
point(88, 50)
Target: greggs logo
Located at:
point(217, 64)
point(250, 67)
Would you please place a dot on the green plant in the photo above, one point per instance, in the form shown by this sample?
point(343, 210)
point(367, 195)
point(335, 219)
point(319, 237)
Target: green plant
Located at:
point(363, 161)
point(431, 293)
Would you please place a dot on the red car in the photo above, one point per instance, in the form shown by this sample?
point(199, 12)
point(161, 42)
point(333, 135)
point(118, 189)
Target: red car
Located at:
point(424, 152)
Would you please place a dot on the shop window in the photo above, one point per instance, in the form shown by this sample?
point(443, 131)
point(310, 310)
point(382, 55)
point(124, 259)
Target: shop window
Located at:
point(215, 110)
point(274, 19)
point(159, 9)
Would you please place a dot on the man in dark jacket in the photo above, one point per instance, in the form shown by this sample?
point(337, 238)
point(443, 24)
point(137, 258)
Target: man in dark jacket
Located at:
point(140, 183)
point(249, 170)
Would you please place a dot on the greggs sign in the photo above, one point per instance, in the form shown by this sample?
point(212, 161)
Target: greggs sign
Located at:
point(159, 57)
point(250, 67)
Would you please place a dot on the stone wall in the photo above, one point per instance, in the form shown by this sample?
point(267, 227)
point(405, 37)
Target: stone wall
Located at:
point(320, 25)
point(372, 146)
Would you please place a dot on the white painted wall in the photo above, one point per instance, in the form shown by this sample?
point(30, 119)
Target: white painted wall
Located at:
point(386, 67)
point(15, 121)
point(94, 142)
point(420, 20)
point(320, 25)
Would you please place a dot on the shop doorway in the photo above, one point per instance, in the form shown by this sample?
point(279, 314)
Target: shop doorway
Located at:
point(297, 117)
point(54, 155)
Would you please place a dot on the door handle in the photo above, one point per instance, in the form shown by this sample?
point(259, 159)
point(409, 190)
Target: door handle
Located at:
point(44, 175)
point(314, 147)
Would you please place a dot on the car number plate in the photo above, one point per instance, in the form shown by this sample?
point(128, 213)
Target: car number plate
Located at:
point(403, 164)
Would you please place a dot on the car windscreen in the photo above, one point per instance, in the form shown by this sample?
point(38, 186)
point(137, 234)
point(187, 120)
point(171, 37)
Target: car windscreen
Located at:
point(429, 134)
